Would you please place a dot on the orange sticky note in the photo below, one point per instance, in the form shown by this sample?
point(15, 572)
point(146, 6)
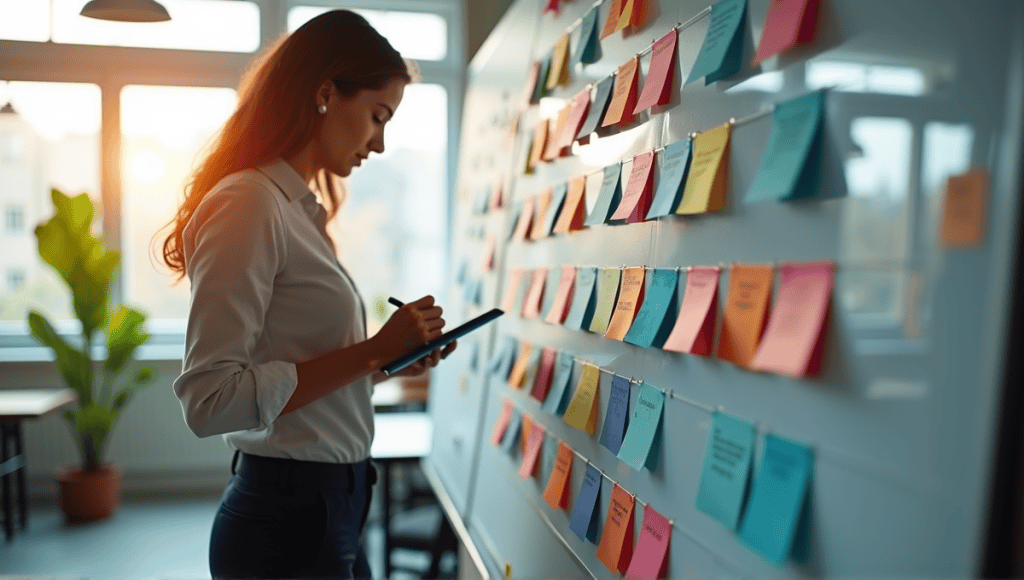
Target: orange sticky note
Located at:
point(620, 110)
point(562, 297)
point(558, 74)
point(658, 86)
point(578, 108)
point(531, 306)
point(788, 23)
point(631, 294)
point(746, 310)
point(612, 21)
point(540, 139)
point(695, 328)
point(616, 547)
point(794, 340)
point(541, 203)
point(487, 263)
point(515, 378)
point(709, 170)
point(543, 381)
point(527, 429)
point(965, 210)
point(502, 425)
point(582, 411)
point(524, 222)
point(557, 127)
point(557, 492)
point(529, 465)
point(573, 210)
point(636, 200)
point(632, 14)
point(514, 280)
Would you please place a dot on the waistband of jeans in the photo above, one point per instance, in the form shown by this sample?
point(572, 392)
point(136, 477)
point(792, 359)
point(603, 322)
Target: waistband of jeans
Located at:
point(295, 473)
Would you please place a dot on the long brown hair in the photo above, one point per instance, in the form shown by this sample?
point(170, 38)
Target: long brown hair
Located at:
point(276, 114)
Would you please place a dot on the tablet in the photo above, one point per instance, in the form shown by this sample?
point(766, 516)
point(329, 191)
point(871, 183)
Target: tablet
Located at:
point(441, 341)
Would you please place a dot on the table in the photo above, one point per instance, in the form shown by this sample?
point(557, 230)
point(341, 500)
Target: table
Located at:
point(17, 406)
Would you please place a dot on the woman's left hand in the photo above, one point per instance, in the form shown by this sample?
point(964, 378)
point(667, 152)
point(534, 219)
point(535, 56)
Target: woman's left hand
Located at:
point(428, 362)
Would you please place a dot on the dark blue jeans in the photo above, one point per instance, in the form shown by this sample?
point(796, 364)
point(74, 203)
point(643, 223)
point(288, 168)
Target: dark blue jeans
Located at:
point(282, 518)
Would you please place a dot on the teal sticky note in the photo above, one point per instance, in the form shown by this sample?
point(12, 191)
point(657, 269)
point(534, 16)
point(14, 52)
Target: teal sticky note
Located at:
point(460, 274)
point(581, 312)
point(501, 363)
point(789, 165)
point(588, 49)
point(673, 164)
point(585, 514)
point(615, 418)
point(608, 197)
point(650, 327)
point(508, 442)
point(539, 90)
point(641, 446)
point(721, 55)
point(726, 469)
point(777, 498)
point(554, 208)
point(607, 293)
point(602, 96)
point(554, 278)
point(557, 400)
point(513, 219)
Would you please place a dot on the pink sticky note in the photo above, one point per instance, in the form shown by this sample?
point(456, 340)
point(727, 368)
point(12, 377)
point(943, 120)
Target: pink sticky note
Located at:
point(788, 23)
point(658, 86)
point(543, 380)
point(695, 326)
point(515, 278)
point(649, 560)
point(794, 340)
point(502, 425)
point(562, 297)
point(637, 198)
point(578, 108)
point(532, 451)
point(496, 201)
point(525, 221)
point(531, 306)
point(488, 261)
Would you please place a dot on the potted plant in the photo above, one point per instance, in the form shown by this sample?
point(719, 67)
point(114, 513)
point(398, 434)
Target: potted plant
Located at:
point(91, 490)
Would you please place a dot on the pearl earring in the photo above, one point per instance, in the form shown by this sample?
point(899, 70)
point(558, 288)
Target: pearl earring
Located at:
point(321, 109)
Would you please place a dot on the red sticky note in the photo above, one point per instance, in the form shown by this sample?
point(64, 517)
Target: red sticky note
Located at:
point(695, 327)
point(573, 209)
point(620, 110)
point(658, 86)
point(616, 547)
point(612, 20)
point(636, 200)
point(531, 306)
point(543, 380)
point(502, 425)
point(794, 340)
point(562, 297)
point(650, 560)
point(578, 108)
point(514, 280)
point(557, 492)
point(525, 221)
point(551, 6)
point(540, 207)
point(788, 23)
point(488, 261)
point(532, 451)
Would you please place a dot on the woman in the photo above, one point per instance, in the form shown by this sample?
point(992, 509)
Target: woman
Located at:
point(277, 358)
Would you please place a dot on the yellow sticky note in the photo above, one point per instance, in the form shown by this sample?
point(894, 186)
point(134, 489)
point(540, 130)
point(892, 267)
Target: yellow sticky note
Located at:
point(558, 74)
point(630, 15)
point(582, 411)
point(631, 294)
point(705, 185)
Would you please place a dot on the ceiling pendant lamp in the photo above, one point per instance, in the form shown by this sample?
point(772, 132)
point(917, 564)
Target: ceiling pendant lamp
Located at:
point(126, 10)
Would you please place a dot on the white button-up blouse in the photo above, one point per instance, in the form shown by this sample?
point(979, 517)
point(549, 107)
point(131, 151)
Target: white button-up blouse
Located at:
point(267, 293)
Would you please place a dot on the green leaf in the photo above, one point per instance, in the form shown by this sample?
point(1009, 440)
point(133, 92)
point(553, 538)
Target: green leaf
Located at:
point(95, 423)
point(75, 367)
point(124, 335)
point(144, 376)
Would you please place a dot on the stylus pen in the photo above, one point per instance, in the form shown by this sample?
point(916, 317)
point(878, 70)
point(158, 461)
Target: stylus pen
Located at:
point(395, 301)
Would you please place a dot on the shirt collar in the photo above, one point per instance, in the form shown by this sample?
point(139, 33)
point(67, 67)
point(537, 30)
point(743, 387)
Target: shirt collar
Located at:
point(289, 180)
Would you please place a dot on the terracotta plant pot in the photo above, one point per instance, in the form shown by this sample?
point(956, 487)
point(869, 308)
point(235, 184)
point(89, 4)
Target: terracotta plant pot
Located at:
point(87, 496)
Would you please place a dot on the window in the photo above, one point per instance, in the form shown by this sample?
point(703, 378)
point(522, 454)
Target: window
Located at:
point(25, 20)
point(14, 219)
point(415, 35)
point(860, 78)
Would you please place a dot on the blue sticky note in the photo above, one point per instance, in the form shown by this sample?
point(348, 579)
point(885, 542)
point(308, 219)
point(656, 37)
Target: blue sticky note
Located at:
point(615, 418)
point(583, 303)
point(642, 445)
point(540, 89)
point(721, 55)
point(460, 274)
point(777, 498)
point(508, 441)
point(602, 97)
point(651, 327)
point(726, 469)
point(513, 219)
point(588, 49)
point(501, 363)
point(673, 164)
point(585, 515)
point(554, 278)
point(609, 196)
point(790, 163)
point(557, 400)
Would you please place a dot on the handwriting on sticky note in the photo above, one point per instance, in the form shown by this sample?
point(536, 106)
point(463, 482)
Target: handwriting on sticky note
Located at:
point(620, 110)
point(705, 184)
point(746, 310)
point(608, 290)
point(724, 36)
point(614, 426)
point(616, 547)
point(726, 468)
point(650, 561)
point(658, 86)
point(636, 200)
point(695, 327)
point(631, 294)
point(788, 23)
point(582, 411)
point(641, 447)
point(529, 465)
point(584, 516)
point(965, 210)
point(673, 164)
point(556, 493)
point(794, 339)
point(563, 296)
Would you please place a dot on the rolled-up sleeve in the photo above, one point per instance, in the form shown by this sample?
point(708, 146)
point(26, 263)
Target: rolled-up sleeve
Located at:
point(234, 246)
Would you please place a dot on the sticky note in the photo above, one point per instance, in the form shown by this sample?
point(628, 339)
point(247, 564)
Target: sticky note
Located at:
point(540, 140)
point(695, 328)
point(497, 200)
point(527, 429)
point(508, 441)
point(658, 86)
point(607, 292)
point(631, 15)
point(551, 283)
point(788, 23)
point(650, 327)
point(631, 295)
point(641, 447)
point(608, 197)
point(553, 148)
point(650, 561)
point(582, 310)
point(746, 310)
point(570, 219)
point(544, 374)
point(540, 88)
point(721, 55)
point(532, 367)
point(460, 274)
point(587, 49)
point(487, 263)
point(794, 339)
point(790, 163)
point(556, 493)
point(531, 307)
point(502, 424)
point(531, 83)
point(514, 281)
point(562, 296)
point(614, 426)
point(673, 164)
point(551, 6)
point(584, 515)
point(616, 547)
point(612, 19)
point(965, 210)
point(515, 376)
point(577, 112)
point(709, 169)
point(556, 401)
point(541, 203)
point(501, 364)
point(558, 74)
point(558, 193)
point(582, 411)
point(529, 464)
point(620, 110)
point(636, 200)
point(777, 498)
point(525, 221)
point(598, 107)
point(726, 468)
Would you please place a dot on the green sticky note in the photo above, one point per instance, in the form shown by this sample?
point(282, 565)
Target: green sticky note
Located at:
point(642, 445)
point(790, 163)
point(554, 208)
point(726, 469)
point(607, 292)
point(588, 49)
point(582, 310)
point(673, 164)
point(650, 328)
point(609, 196)
point(721, 54)
point(557, 400)
point(778, 497)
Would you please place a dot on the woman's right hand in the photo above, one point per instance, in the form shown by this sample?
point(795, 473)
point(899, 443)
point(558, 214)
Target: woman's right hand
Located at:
point(412, 325)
